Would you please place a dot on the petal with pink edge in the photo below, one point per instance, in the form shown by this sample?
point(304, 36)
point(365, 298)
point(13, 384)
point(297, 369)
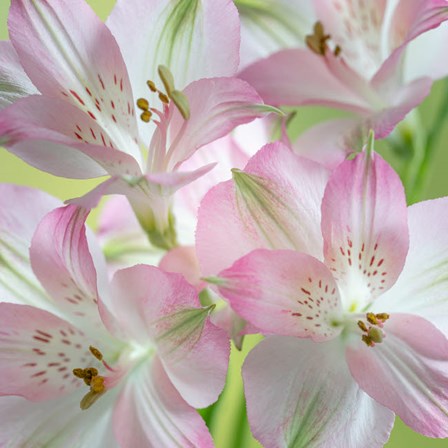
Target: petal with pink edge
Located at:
point(38, 352)
point(329, 142)
point(62, 262)
point(183, 260)
point(21, 209)
point(364, 225)
point(14, 82)
point(69, 53)
point(283, 292)
point(274, 203)
point(297, 77)
point(229, 155)
point(407, 372)
point(150, 304)
point(57, 422)
point(62, 140)
point(217, 106)
point(316, 403)
point(422, 285)
point(151, 413)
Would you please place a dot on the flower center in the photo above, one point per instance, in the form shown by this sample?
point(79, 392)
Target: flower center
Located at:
point(91, 378)
point(372, 328)
point(171, 94)
point(317, 42)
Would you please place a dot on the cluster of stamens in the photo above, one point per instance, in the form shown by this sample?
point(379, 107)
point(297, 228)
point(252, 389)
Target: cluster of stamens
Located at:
point(373, 333)
point(177, 97)
point(91, 379)
point(317, 42)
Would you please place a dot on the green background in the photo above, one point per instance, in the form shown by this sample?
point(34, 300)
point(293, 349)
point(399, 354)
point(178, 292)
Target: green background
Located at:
point(228, 423)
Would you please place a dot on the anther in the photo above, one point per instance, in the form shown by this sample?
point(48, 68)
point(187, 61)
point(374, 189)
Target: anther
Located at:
point(79, 373)
point(317, 42)
point(146, 116)
point(143, 104)
point(382, 316)
point(95, 352)
point(152, 86)
point(363, 326)
point(371, 318)
point(368, 340)
point(164, 98)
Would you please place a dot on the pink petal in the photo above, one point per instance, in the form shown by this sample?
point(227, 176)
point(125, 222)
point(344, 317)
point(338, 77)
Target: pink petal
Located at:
point(38, 353)
point(364, 225)
point(217, 106)
point(229, 155)
point(424, 55)
point(421, 287)
point(183, 260)
point(151, 413)
point(328, 142)
point(297, 77)
point(26, 423)
point(273, 203)
point(21, 209)
point(15, 84)
point(407, 373)
point(62, 262)
point(69, 53)
point(301, 394)
point(165, 308)
point(62, 140)
point(284, 292)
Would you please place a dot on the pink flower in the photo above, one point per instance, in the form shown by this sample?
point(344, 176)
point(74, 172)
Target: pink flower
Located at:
point(91, 77)
point(136, 354)
point(376, 59)
point(367, 294)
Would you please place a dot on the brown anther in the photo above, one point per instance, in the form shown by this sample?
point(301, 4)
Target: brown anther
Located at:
point(368, 340)
point(95, 352)
point(372, 318)
point(337, 50)
point(97, 384)
point(164, 98)
point(317, 42)
point(146, 116)
point(143, 104)
point(152, 86)
point(363, 326)
point(382, 316)
point(79, 373)
point(91, 372)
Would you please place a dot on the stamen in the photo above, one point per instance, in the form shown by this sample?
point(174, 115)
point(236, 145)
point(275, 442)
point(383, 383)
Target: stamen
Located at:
point(375, 334)
point(317, 42)
point(95, 352)
point(91, 378)
point(143, 104)
point(146, 116)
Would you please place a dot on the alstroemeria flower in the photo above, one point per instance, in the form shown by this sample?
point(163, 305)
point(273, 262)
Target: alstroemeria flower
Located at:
point(376, 59)
point(93, 77)
point(137, 355)
point(369, 294)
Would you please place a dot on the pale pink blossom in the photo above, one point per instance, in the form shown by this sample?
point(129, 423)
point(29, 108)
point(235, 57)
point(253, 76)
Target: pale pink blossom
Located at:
point(374, 59)
point(347, 283)
point(91, 77)
point(122, 363)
